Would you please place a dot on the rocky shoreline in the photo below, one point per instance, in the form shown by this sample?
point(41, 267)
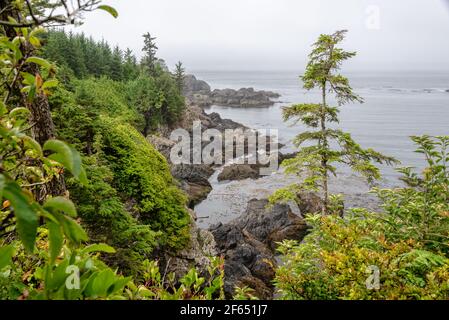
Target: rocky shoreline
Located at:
point(248, 242)
point(199, 93)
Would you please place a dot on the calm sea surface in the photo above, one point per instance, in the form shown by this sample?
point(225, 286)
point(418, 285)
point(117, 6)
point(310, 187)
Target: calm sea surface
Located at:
point(397, 105)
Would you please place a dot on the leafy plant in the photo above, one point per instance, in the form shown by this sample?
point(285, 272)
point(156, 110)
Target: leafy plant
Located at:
point(407, 243)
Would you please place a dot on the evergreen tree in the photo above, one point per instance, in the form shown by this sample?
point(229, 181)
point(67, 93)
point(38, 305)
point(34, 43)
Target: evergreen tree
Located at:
point(149, 61)
point(116, 65)
point(317, 157)
point(179, 76)
point(130, 68)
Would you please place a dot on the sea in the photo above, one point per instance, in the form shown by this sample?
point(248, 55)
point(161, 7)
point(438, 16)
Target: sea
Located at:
point(396, 105)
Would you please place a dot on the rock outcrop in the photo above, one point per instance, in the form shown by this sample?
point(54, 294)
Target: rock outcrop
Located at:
point(199, 93)
point(248, 244)
point(192, 178)
point(236, 172)
point(201, 247)
point(239, 172)
point(194, 181)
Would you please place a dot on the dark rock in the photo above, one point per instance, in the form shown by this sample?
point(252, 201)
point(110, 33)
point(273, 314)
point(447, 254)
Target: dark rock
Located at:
point(248, 244)
point(199, 93)
point(197, 254)
point(192, 85)
point(194, 181)
point(238, 172)
point(309, 202)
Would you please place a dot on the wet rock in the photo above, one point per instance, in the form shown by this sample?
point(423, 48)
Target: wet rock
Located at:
point(309, 202)
point(194, 181)
point(248, 244)
point(239, 172)
point(236, 172)
point(199, 93)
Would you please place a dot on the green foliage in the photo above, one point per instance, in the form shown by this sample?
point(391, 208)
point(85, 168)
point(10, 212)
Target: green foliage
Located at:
point(107, 220)
point(142, 174)
point(149, 61)
point(179, 76)
point(25, 166)
point(190, 287)
point(316, 158)
point(43, 252)
point(421, 209)
point(407, 243)
point(85, 57)
point(83, 118)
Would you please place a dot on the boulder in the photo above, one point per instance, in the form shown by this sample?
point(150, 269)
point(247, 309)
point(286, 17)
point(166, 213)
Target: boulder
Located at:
point(248, 244)
point(201, 247)
point(194, 181)
point(193, 85)
point(238, 172)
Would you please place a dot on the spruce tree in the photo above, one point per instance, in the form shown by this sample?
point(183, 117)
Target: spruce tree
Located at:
point(179, 76)
point(149, 60)
point(325, 146)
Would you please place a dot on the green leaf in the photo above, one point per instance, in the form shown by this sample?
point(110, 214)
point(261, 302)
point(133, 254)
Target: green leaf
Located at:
point(56, 240)
point(50, 84)
point(33, 144)
point(28, 78)
point(26, 217)
point(6, 254)
point(68, 156)
point(109, 9)
point(62, 153)
point(72, 230)
point(3, 109)
point(102, 282)
point(61, 204)
point(98, 248)
point(16, 112)
point(39, 61)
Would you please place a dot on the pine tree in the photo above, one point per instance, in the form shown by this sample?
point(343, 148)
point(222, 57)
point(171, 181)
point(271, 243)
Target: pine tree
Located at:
point(179, 76)
point(149, 61)
point(130, 68)
point(116, 64)
point(317, 158)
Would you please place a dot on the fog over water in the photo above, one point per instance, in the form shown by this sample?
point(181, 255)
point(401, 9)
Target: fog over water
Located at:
point(277, 34)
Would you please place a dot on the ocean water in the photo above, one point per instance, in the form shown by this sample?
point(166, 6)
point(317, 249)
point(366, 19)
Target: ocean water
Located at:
point(397, 106)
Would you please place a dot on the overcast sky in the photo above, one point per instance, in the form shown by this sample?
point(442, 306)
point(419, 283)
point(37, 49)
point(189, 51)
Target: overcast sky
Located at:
point(277, 34)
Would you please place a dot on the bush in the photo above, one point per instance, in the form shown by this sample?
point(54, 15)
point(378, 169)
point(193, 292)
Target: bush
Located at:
point(142, 176)
point(407, 243)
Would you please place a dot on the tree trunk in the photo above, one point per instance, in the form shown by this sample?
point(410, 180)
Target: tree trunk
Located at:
point(43, 128)
point(324, 157)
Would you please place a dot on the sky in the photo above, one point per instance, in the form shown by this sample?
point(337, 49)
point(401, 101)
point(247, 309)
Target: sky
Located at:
point(277, 34)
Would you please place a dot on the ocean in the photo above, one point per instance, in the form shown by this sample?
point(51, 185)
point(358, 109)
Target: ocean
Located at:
point(397, 106)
